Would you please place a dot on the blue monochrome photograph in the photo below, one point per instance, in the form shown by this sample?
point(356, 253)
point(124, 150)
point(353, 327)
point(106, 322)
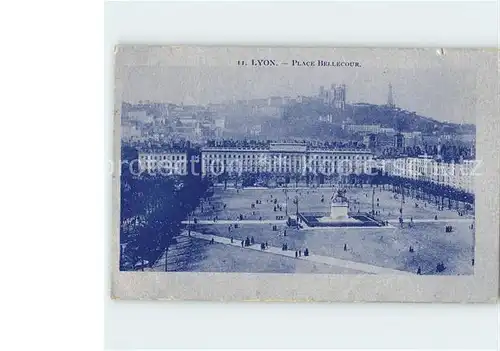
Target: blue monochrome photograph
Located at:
point(327, 162)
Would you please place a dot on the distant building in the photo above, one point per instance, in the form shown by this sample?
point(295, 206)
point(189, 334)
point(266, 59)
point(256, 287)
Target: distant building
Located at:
point(255, 130)
point(385, 140)
point(430, 139)
point(387, 130)
point(335, 96)
point(186, 125)
point(271, 111)
point(412, 139)
point(139, 116)
point(467, 138)
point(370, 140)
point(164, 162)
point(456, 175)
point(276, 101)
point(363, 128)
point(390, 97)
point(399, 141)
point(130, 132)
point(282, 158)
point(339, 97)
point(220, 126)
point(326, 118)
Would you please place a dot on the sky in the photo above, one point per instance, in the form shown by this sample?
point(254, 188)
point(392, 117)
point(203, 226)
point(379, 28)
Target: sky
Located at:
point(433, 88)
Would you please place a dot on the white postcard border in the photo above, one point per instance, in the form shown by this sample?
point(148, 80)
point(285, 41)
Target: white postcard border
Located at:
point(481, 287)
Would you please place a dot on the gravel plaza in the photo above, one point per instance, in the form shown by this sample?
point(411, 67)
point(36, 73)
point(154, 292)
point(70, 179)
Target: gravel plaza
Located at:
point(260, 214)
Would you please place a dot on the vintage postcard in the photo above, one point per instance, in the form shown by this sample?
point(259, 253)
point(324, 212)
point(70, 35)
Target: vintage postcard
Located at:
point(305, 174)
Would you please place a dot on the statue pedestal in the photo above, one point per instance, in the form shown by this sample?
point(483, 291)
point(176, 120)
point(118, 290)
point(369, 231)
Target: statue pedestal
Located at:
point(338, 211)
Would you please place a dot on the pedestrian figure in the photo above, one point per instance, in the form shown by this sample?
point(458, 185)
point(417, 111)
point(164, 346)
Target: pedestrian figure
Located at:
point(242, 243)
point(473, 262)
point(267, 245)
point(262, 246)
point(345, 247)
point(252, 240)
point(296, 254)
point(419, 271)
point(284, 232)
point(213, 241)
point(231, 240)
point(435, 217)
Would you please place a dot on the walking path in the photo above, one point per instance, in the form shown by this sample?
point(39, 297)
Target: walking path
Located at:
point(276, 188)
point(432, 220)
point(235, 221)
point(274, 221)
point(363, 267)
point(345, 227)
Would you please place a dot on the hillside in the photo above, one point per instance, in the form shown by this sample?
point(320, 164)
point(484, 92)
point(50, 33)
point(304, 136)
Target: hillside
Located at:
point(400, 120)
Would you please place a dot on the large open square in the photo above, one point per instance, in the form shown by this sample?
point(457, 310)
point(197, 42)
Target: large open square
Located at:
point(233, 216)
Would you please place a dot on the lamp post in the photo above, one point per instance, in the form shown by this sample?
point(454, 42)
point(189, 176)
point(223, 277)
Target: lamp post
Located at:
point(373, 201)
point(402, 199)
point(296, 202)
point(286, 201)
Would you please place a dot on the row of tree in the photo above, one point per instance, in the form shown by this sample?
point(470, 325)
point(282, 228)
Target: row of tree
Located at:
point(248, 179)
point(423, 189)
point(151, 213)
point(438, 193)
point(447, 153)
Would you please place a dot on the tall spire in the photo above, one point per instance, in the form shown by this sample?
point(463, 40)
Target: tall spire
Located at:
point(390, 99)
